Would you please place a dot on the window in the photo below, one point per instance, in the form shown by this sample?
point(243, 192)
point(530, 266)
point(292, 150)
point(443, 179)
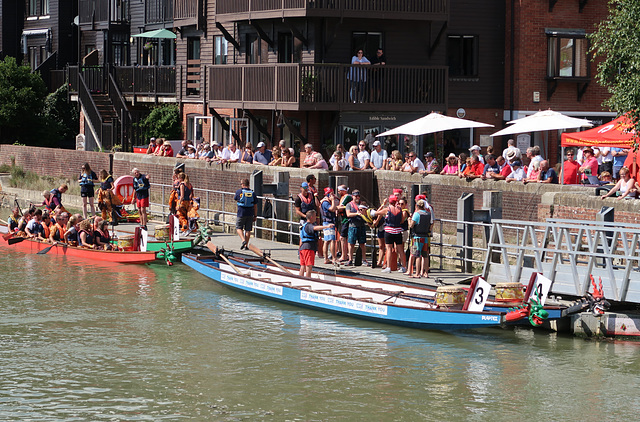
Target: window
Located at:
point(220, 50)
point(193, 66)
point(257, 50)
point(289, 48)
point(45, 7)
point(567, 54)
point(34, 52)
point(32, 8)
point(369, 42)
point(119, 49)
point(462, 55)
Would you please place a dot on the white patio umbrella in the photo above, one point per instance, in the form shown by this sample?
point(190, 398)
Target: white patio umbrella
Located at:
point(434, 122)
point(541, 121)
point(544, 121)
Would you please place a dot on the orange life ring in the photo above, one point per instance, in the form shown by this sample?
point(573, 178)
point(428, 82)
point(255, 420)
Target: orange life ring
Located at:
point(123, 188)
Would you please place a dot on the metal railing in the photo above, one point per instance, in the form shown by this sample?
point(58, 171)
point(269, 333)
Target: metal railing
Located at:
point(158, 11)
point(104, 131)
point(219, 208)
point(568, 252)
point(93, 11)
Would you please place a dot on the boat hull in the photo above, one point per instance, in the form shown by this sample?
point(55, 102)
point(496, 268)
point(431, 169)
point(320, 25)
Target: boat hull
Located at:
point(424, 318)
point(34, 246)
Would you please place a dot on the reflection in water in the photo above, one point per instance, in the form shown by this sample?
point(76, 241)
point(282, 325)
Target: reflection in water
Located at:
point(86, 341)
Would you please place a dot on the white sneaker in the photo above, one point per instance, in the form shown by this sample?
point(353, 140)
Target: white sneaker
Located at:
point(365, 263)
point(402, 270)
point(386, 270)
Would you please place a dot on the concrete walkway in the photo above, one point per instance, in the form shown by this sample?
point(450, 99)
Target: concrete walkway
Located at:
point(288, 255)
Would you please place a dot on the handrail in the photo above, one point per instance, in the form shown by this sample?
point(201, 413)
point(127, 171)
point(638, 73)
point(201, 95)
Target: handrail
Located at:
point(91, 110)
point(45, 69)
point(120, 105)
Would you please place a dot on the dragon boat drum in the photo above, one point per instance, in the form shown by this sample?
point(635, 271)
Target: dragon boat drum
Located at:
point(162, 233)
point(450, 296)
point(126, 243)
point(509, 292)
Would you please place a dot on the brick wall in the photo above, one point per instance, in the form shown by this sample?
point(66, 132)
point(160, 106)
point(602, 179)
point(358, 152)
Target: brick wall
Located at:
point(532, 202)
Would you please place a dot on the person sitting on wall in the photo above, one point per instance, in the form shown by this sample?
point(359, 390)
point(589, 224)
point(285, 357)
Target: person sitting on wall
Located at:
point(321, 163)
point(310, 158)
point(262, 156)
point(431, 165)
point(517, 174)
point(288, 159)
point(230, 154)
point(412, 164)
point(183, 151)
point(246, 156)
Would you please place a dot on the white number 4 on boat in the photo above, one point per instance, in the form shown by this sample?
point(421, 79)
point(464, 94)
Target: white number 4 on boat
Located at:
point(480, 295)
point(541, 288)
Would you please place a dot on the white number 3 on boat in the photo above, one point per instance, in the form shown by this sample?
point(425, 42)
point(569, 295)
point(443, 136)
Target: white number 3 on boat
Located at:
point(480, 295)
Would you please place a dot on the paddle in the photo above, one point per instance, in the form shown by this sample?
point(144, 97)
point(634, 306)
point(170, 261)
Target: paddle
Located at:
point(14, 240)
point(258, 252)
point(213, 248)
point(45, 250)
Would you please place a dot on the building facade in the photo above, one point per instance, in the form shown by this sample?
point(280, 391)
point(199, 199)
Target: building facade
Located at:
point(251, 71)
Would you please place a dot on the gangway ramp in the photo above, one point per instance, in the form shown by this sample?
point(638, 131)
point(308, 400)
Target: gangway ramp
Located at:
point(567, 252)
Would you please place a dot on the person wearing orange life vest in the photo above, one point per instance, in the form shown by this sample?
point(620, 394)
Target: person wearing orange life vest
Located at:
point(56, 234)
point(185, 195)
point(107, 199)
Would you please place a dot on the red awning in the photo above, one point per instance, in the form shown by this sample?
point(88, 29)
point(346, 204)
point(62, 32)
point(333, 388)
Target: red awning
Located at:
point(613, 134)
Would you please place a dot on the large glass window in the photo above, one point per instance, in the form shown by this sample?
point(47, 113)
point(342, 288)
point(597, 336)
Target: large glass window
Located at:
point(220, 50)
point(567, 56)
point(369, 42)
point(257, 50)
point(32, 8)
point(45, 7)
point(462, 55)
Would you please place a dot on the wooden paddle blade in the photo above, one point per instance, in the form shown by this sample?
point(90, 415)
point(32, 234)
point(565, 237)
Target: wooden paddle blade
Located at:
point(45, 250)
point(14, 240)
point(255, 250)
point(213, 248)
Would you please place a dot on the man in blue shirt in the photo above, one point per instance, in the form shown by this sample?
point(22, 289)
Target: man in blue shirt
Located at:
point(262, 155)
point(247, 212)
point(619, 156)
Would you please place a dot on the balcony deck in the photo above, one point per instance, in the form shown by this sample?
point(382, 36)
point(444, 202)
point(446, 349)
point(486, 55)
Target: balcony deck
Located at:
point(425, 10)
point(328, 87)
point(99, 14)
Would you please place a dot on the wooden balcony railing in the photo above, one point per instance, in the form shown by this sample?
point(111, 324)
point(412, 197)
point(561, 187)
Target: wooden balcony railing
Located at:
point(146, 80)
point(103, 11)
point(185, 9)
point(384, 8)
point(328, 86)
point(158, 11)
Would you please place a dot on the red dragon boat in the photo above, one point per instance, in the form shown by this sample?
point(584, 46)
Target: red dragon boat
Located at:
point(34, 246)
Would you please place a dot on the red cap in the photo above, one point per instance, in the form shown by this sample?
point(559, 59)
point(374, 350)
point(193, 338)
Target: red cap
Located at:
point(328, 191)
point(397, 192)
point(393, 199)
point(419, 197)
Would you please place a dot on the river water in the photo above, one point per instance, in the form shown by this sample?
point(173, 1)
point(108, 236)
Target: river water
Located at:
point(88, 341)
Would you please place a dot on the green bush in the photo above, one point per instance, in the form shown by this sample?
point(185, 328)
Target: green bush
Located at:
point(162, 122)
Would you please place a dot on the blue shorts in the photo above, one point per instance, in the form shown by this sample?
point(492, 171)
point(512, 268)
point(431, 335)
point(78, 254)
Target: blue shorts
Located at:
point(357, 234)
point(329, 234)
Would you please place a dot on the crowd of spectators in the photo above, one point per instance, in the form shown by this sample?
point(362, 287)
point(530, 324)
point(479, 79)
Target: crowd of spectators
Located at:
point(589, 165)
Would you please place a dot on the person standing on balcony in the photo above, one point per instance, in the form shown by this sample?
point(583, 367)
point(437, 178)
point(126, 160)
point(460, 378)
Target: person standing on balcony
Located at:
point(358, 76)
point(377, 75)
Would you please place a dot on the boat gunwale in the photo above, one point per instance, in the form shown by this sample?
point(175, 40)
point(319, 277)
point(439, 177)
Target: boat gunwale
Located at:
point(200, 259)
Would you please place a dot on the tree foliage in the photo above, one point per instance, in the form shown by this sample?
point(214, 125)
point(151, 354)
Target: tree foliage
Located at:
point(163, 122)
point(22, 95)
point(616, 43)
point(62, 118)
